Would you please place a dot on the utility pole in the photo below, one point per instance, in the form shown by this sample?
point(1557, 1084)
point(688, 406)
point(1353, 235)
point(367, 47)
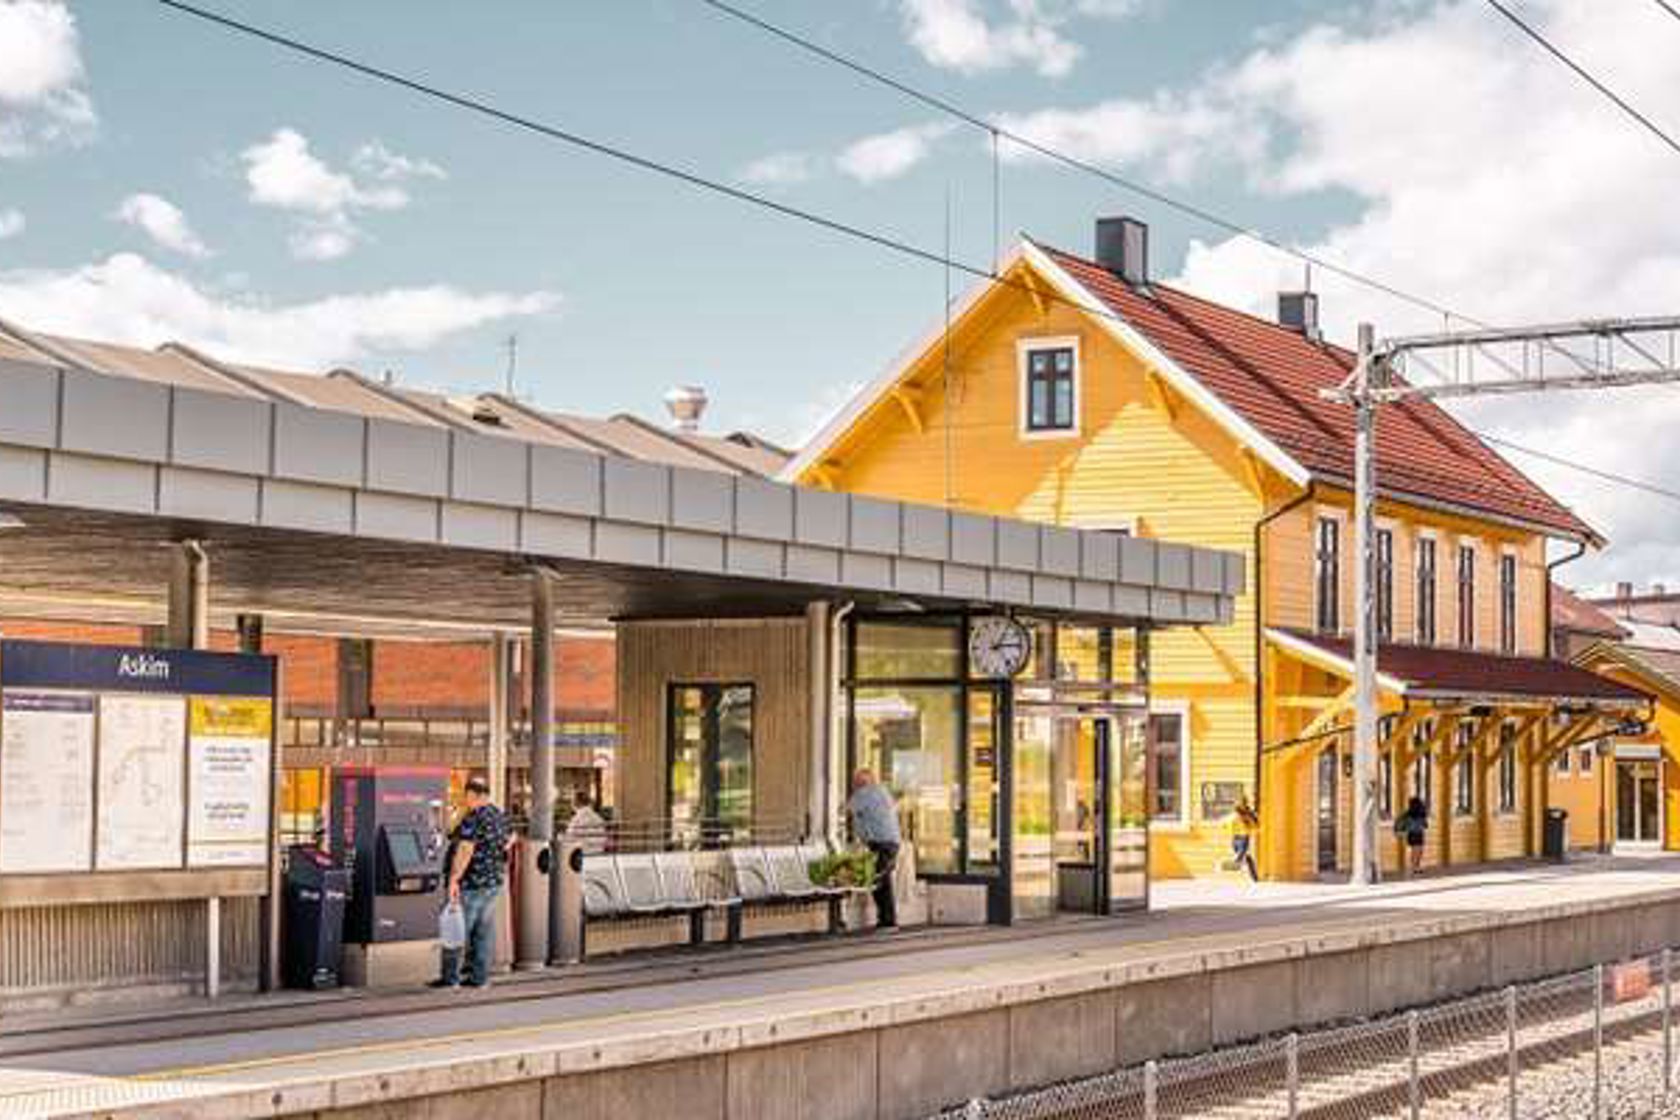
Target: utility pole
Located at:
point(512, 347)
point(1592, 354)
point(1364, 860)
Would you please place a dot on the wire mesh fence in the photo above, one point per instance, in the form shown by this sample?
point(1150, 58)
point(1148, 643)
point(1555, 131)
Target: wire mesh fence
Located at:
point(1596, 1043)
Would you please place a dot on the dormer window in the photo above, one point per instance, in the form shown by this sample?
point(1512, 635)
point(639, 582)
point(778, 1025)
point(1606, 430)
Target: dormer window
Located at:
point(1049, 387)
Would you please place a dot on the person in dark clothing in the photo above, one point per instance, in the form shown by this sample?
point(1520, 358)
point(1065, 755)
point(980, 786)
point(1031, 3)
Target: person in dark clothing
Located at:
point(875, 823)
point(1413, 824)
point(474, 877)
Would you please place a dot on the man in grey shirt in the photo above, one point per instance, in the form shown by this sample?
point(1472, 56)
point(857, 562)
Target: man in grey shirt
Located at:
point(875, 823)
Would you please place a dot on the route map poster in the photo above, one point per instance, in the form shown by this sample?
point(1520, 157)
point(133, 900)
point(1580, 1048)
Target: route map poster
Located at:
point(46, 782)
point(142, 744)
point(228, 781)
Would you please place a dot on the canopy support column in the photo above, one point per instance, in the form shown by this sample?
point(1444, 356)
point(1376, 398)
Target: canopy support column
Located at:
point(189, 628)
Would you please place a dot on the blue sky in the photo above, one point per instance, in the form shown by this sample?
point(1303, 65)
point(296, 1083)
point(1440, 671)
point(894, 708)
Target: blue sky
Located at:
point(160, 177)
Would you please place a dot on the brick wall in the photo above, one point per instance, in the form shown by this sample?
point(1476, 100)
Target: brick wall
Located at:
point(409, 678)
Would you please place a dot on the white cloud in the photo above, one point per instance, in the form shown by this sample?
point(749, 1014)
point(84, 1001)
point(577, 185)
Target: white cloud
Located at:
point(284, 174)
point(779, 169)
point(1471, 168)
point(127, 298)
point(960, 35)
point(374, 158)
point(163, 222)
point(12, 222)
point(41, 97)
point(877, 159)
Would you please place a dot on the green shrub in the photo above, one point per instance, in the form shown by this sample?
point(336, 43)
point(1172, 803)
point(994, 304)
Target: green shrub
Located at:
point(852, 868)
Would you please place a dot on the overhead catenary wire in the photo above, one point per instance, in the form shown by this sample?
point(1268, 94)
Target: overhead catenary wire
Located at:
point(1188, 209)
point(1586, 75)
point(1667, 7)
point(694, 179)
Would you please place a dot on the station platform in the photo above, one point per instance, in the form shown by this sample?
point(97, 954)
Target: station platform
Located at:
point(864, 1026)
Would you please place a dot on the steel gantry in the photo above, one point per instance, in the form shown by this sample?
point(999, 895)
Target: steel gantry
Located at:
point(1587, 354)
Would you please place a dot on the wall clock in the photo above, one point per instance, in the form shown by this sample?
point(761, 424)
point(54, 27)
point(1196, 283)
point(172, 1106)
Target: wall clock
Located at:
point(998, 646)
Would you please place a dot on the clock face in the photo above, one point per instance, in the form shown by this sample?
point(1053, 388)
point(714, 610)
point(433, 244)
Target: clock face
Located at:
point(998, 646)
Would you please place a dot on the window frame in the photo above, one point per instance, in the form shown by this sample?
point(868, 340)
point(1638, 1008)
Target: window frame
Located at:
point(1426, 589)
point(1465, 580)
point(1024, 349)
point(1507, 768)
point(1180, 709)
point(1508, 577)
point(1464, 771)
point(1384, 579)
point(1423, 765)
point(1327, 573)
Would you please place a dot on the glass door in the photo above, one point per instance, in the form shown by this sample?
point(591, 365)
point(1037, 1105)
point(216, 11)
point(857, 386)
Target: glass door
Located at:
point(1076, 810)
point(1638, 804)
point(1126, 821)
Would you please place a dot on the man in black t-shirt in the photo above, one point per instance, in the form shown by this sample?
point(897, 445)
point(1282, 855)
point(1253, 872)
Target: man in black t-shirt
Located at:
point(474, 880)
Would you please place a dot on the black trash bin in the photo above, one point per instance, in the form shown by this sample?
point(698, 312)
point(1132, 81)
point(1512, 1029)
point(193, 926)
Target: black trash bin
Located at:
point(1555, 843)
point(316, 895)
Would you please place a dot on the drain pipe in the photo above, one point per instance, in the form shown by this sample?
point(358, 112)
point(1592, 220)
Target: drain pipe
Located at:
point(1552, 566)
point(837, 723)
point(1260, 527)
point(818, 692)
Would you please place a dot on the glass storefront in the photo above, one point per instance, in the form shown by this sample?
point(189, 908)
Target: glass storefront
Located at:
point(1037, 786)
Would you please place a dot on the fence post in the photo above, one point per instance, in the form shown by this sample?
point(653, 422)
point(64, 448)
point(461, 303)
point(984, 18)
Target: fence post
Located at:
point(1598, 1041)
point(1668, 1027)
point(1292, 1061)
point(1511, 1045)
point(1149, 1089)
point(1414, 1092)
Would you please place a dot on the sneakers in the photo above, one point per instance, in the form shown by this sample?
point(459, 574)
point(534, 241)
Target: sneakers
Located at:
point(442, 983)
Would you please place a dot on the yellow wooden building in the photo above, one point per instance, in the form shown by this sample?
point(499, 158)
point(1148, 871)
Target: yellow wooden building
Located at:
point(1638, 785)
point(1082, 392)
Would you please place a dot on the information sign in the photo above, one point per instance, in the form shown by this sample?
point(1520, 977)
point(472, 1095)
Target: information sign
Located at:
point(46, 782)
point(142, 740)
point(228, 781)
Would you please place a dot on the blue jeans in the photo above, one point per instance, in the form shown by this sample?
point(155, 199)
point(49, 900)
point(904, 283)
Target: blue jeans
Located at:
point(478, 907)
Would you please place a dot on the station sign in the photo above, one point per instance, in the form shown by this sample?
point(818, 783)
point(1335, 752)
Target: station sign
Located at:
point(125, 759)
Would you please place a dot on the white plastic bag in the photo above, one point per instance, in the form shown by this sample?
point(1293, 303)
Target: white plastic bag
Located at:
point(452, 926)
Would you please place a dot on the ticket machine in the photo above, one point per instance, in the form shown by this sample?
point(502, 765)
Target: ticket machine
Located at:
point(388, 827)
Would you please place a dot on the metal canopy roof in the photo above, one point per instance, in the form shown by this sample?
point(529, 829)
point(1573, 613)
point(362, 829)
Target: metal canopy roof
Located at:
point(347, 515)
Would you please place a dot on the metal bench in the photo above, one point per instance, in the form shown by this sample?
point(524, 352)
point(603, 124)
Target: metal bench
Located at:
point(636, 886)
point(781, 876)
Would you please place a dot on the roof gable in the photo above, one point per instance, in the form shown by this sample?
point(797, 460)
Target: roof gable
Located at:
point(1271, 377)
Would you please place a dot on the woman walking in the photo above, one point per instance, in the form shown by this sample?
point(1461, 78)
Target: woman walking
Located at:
point(1413, 824)
point(1245, 823)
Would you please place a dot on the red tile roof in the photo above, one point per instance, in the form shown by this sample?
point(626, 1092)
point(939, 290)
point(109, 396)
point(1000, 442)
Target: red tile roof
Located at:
point(1573, 613)
point(1434, 671)
point(1271, 377)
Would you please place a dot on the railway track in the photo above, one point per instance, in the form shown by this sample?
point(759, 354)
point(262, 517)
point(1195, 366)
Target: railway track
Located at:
point(1452, 1060)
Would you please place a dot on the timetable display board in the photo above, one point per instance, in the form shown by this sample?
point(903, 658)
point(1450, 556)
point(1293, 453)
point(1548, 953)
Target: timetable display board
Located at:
point(121, 759)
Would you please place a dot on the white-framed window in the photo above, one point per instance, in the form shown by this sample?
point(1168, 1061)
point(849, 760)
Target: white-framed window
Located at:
point(1169, 764)
point(1508, 602)
point(1385, 768)
point(1467, 593)
point(1385, 584)
point(1562, 764)
point(1507, 768)
point(1584, 761)
point(1423, 767)
point(1425, 592)
point(1049, 387)
point(1327, 574)
point(1464, 773)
